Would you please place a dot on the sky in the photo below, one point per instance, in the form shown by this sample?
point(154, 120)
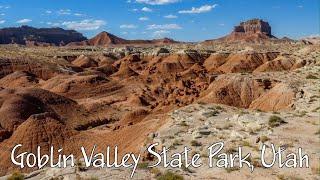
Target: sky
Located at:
point(183, 20)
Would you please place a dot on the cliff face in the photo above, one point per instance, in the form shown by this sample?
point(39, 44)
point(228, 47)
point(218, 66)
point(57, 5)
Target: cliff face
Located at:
point(27, 35)
point(254, 26)
point(254, 30)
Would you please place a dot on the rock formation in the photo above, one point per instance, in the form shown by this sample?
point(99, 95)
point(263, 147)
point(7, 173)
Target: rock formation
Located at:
point(254, 30)
point(254, 26)
point(107, 39)
point(27, 35)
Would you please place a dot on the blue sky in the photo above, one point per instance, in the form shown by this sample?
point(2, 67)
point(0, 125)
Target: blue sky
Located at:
point(186, 20)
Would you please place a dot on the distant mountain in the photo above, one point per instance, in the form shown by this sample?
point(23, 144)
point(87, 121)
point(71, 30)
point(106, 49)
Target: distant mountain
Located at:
point(106, 39)
point(254, 30)
point(27, 35)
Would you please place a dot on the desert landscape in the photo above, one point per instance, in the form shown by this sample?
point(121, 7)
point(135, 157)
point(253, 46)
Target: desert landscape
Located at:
point(248, 88)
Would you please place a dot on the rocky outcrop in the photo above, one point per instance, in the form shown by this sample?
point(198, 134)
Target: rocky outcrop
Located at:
point(17, 105)
point(278, 98)
point(254, 26)
point(238, 91)
point(26, 35)
point(107, 39)
point(254, 30)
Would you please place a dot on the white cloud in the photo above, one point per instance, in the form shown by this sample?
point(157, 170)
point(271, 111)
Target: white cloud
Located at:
point(202, 9)
point(86, 25)
point(4, 7)
point(78, 14)
point(64, 12)
point(170, 16)
point(145, 9)
point(2, 14)
point(2, 21)
point(164, 26)
point(24, 21)
point(143, 18)
point(157, 2)
point(53, 24)
point(160, 33)
point(221, 24)
point(48, 11)
point(300, 6)
point(135, 10)
point(128, 26)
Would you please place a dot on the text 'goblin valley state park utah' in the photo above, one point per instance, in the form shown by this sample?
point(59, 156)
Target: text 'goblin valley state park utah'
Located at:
point(160, 89)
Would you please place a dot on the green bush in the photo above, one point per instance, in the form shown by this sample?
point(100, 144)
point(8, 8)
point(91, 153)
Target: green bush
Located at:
point(16, 176)
point(310, 76)
point(195, 143)
point(170, 176)
point(275, 121)
point(143, 165)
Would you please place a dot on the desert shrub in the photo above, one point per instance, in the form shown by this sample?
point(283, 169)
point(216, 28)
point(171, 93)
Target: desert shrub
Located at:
point(246, 143)
point(231, 169)
point(283, 177)
point(310, 76)
point(183, 123)
point(143, 165)
point(81, 167)
point(219, 108)
point(195, 143)
point(170, 176)
point(275, 121)
point(231, 150)
point(264, 139)
point(184, 168)
point(176, 142)
point(16, 176)
point(93, 178)
point(210, 113)
point(316, 109)
point(155, 171)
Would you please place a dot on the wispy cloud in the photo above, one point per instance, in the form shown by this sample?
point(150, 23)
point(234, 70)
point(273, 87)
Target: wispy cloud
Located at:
point(86, 25)
point(78, 14)
point(2, 21)
point(24, 21)
point(300, 6)
point(160, 33)
point(128, 26)
point(146, 9)
point(48, 12)
point(163, 26)
point(170, 16)
point(202, 9)
point(2, 14)
point(4, 7)
point(64, 12)
point(53, 24)
point(157, 2)
point(143, 18)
